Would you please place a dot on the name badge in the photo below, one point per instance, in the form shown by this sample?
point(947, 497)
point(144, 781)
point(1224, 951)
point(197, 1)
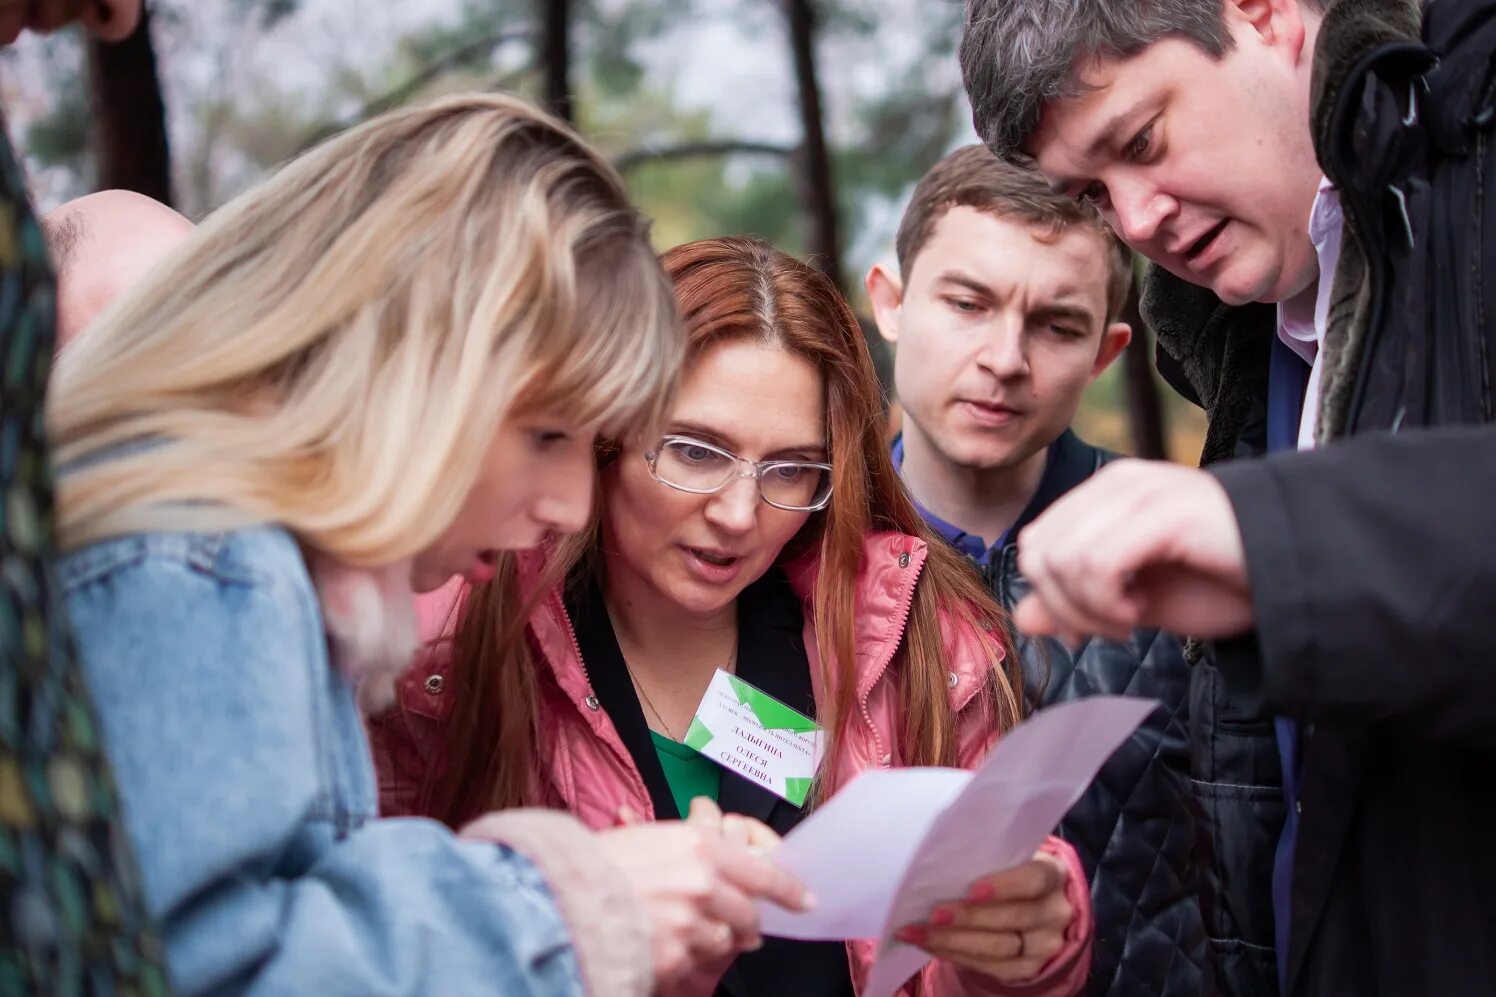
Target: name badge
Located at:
point(755, 735)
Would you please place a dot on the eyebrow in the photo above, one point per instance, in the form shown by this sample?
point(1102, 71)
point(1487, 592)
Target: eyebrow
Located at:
point(706, 434)
point(1079, 313)
point(1058, 309)
point(1103, 137)
point(963, 280)
point(1112, 126)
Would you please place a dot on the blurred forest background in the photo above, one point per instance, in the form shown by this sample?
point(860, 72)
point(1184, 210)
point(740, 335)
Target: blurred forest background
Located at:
point(806, 122)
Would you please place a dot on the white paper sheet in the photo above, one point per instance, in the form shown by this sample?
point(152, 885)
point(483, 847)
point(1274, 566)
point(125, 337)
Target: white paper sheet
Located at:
point(894, 843)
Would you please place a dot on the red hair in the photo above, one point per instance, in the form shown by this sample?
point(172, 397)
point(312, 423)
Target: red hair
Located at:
point(734, 288)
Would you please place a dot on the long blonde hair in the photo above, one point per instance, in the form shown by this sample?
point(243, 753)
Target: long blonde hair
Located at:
point(333, 350)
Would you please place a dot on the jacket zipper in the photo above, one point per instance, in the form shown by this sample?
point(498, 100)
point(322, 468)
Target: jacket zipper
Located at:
point(1483, 361)
point(576, 647)
point(998, 583)
point(867, 716)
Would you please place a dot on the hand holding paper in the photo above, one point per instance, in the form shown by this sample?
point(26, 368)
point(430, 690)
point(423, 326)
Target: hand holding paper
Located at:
point(892, 845)
point(1010, 925)
point(753, 836)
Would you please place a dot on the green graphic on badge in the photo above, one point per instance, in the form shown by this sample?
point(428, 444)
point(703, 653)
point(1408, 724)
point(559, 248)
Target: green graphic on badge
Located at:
point(755, 735)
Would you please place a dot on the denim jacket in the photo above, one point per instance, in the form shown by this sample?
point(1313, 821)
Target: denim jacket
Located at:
point(250, 798)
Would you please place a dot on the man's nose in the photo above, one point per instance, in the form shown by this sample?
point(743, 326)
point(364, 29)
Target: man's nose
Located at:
point(1004, 350)
point(1138, 212)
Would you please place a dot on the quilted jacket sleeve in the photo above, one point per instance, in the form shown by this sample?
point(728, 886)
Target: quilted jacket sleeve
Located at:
point(1134, 829)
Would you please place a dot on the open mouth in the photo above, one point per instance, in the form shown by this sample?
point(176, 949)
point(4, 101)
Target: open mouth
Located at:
point(1201, 244)
point(712, 557)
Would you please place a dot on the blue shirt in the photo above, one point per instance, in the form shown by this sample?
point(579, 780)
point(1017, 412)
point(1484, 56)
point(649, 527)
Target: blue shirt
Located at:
point(1288, 376)
point(974, 548)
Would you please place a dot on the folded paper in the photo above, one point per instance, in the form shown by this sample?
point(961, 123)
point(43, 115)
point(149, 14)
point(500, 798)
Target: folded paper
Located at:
point(894, 843)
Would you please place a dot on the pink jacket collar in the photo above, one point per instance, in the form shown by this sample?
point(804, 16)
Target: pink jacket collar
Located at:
point(891, 566)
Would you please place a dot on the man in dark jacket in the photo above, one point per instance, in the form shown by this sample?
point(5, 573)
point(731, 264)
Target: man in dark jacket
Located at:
point(1355, 582)
point(1005, 308)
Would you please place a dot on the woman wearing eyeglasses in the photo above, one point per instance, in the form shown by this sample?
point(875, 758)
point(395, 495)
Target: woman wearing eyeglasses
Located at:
point(765, 532)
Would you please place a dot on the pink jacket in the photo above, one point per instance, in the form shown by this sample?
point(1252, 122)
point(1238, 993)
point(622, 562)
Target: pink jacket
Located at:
point(590, 772)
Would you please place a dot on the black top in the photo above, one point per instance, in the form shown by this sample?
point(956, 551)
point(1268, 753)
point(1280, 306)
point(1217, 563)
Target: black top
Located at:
point(771, 656)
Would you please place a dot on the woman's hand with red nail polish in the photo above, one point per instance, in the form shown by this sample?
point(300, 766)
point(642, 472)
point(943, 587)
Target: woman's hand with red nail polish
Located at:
point(1008, 927)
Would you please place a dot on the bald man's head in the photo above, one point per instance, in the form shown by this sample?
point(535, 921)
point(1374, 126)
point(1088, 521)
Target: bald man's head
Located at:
point(102, 244)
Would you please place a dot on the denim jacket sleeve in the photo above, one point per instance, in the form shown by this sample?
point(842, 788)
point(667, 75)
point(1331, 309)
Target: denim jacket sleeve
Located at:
point(249, 797)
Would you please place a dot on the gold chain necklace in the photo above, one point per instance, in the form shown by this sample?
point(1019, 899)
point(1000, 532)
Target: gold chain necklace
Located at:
point(639, 688)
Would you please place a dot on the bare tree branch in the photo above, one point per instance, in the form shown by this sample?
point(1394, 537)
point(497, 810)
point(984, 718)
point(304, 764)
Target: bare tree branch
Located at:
point(398, 95)
point(700, 150)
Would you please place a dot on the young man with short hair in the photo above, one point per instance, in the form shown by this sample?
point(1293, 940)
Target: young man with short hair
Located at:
point(1005, 307)
point(1352, 586)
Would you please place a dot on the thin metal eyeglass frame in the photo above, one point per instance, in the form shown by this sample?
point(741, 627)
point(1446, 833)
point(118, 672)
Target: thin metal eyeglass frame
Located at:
point(755, 470)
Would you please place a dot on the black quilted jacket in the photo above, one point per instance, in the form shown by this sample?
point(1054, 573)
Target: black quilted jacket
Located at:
point(1134, 828)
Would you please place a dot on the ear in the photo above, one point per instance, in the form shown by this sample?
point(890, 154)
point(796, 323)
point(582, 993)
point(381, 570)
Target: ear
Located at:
point(1279, 23)
point(886, 293)
point(1114, 340)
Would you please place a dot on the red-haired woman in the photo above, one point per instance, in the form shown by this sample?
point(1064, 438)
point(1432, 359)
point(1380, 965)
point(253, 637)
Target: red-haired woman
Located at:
point(767, 533)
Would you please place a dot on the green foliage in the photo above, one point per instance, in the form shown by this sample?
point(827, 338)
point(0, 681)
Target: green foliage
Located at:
point(264, 13)
point(892, 97)
point(697, 200)
point(898, 132)
point(60, 137)
point(610, 43)
point(480, 19)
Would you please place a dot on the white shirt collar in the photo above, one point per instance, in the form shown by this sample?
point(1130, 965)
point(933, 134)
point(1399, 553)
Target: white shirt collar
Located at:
point(1301, 320)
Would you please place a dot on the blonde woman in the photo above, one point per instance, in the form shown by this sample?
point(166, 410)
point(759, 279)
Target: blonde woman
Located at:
point(378, 369)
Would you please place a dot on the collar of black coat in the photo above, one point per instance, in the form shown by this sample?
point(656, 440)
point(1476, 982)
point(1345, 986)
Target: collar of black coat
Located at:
point(1211, 353)
point(771, 656)
point(1071, 461)
point(1351, 29)
point(1216, 355)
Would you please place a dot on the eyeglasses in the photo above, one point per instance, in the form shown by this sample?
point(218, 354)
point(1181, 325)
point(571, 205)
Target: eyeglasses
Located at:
point(689, 465)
